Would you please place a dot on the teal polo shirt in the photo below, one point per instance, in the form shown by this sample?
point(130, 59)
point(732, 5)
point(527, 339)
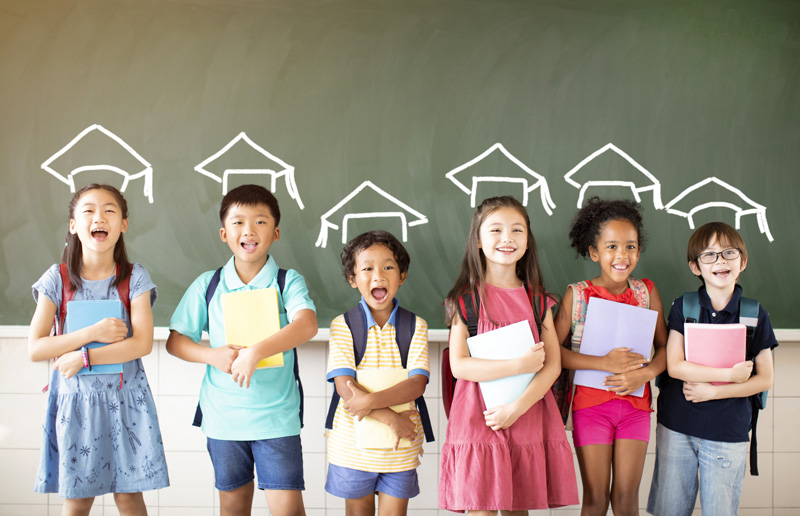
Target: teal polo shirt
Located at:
point(270, 407)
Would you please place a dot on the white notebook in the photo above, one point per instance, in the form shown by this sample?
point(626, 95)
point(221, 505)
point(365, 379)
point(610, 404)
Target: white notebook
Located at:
point(508, 342)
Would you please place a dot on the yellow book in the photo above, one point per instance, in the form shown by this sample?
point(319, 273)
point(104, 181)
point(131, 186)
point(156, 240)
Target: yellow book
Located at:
point(251, 316)
point(373, 434)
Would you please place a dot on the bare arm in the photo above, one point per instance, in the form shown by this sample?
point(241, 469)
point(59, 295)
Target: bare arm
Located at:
point(43, 346)
point(761, 381)
point(361, 403)
point(401, 424)
point(679, 368)
point(466, 367)
point(181, 346)
point(302, 328)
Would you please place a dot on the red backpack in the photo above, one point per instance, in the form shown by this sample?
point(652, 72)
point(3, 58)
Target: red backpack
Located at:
point(467, 310)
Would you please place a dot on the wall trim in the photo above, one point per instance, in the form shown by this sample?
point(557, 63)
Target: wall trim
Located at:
point(162, 332)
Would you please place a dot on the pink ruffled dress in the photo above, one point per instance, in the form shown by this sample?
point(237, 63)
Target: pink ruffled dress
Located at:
point(527, 466)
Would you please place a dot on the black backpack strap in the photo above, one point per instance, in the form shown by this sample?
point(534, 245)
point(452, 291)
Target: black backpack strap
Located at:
point(212, 286)
point(536, 304)
point(210, 290)
point(406, 325)
point(356, 321)
point(281, 279)
point(470, 306)
point(281, 286)
point(404, 332)
point(748, 315)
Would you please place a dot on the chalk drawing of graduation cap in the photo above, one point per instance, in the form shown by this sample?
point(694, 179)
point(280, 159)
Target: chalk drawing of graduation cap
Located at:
point(277, 169)
point(398, 209)
point(691, 201)
point(530, 180)
point(69, 177)
point(641, 181)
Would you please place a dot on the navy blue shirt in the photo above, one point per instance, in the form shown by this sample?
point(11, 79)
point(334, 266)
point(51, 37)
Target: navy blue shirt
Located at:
point(726, 420)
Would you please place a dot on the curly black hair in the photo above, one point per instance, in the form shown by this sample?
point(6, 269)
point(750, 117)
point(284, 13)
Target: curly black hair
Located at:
point(589, 221)
point(367, 240)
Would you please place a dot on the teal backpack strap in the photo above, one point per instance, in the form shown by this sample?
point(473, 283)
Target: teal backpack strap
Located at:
point(691, 307)
point(748, 312)
point(748, 315)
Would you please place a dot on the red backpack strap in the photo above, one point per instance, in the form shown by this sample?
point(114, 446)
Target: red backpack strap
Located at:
point(67, 293)
point(124, 290)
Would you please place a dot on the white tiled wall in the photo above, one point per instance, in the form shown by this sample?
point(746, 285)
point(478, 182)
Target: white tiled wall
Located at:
point(175, 385)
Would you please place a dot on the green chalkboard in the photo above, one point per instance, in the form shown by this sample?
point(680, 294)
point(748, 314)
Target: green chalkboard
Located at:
point(408, 110)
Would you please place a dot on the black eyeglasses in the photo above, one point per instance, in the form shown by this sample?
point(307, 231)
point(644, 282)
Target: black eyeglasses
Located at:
point(729, 254)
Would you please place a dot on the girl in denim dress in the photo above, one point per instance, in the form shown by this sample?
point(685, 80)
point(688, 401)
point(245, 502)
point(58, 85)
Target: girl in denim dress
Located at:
point(100, 432)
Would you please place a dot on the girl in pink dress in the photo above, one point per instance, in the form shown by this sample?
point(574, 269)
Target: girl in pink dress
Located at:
point(514, 457)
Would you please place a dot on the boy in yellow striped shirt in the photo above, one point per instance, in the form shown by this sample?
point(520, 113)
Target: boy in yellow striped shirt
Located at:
point(376, 264)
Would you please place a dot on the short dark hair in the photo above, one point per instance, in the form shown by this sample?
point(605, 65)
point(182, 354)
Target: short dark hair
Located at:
point(250, 195)
point(589, 222)
point(367, 240)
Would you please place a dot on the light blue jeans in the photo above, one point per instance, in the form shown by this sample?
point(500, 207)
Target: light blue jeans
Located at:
point(681, 460)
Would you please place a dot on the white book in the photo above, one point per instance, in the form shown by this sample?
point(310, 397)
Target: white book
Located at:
point(508, 342)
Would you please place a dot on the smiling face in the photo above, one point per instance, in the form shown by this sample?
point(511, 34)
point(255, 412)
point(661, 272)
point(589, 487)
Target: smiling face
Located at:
point(722, 274)
point(249, 232)
point(616, 251)
point(503, 236)
point(377, 277)
point(97, 221)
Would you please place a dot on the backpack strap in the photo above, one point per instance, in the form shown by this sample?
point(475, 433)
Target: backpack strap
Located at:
point(67, 293)
point(640, 291)
point(691, 307)
point(356, 321)
point(468, 311)
point(748, 315)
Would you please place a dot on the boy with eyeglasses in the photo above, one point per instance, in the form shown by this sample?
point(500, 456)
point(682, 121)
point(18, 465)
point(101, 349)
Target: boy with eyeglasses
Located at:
point(702, 427)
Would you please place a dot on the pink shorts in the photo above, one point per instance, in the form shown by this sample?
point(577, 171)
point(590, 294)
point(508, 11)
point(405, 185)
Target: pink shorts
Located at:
point(614, 419)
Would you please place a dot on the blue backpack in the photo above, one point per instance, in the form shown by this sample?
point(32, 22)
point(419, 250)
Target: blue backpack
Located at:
point(748, 315)
point(356, 320)
point(212, 288)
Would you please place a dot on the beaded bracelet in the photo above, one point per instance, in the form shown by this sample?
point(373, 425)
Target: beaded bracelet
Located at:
point(85, 355)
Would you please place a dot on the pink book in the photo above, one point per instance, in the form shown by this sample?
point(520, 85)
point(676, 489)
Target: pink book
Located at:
point(714, 345)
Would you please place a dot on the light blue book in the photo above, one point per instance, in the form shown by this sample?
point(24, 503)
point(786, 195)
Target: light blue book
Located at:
point(81, 314)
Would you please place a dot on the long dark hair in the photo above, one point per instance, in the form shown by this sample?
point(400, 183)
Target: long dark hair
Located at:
point(473, 266)
point(73, 251)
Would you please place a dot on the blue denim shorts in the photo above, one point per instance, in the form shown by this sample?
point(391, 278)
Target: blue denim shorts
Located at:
point(278, 463)
point(352, 483)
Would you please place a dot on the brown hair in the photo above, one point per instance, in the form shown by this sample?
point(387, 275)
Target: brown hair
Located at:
point(72, 254)
point(725, 235)
point(367, 240)
point(473, 265)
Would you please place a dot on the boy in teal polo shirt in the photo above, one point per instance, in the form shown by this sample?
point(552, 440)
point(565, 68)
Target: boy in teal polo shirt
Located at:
point(250, 417)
